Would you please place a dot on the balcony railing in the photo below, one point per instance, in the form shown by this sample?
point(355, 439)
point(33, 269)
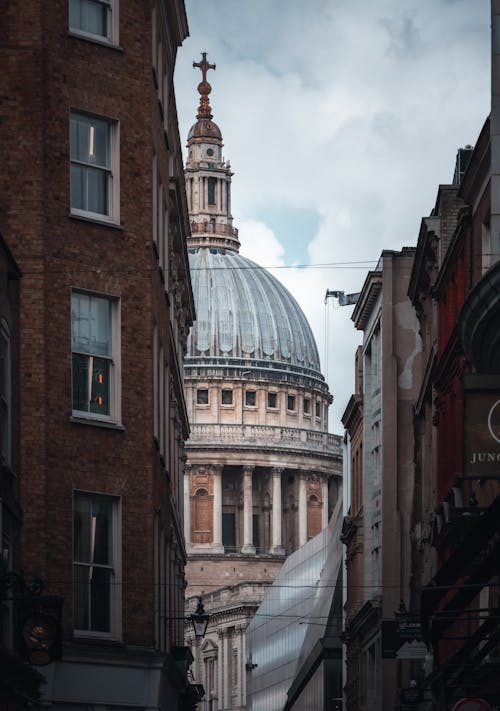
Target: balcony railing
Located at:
point(215, 227)
point(263, 435)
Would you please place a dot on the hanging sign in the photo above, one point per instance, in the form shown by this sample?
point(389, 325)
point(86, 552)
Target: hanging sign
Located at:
point(481, 427)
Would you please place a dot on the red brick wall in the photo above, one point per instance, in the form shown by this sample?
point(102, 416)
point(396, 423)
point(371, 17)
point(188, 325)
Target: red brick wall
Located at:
point(46, 73)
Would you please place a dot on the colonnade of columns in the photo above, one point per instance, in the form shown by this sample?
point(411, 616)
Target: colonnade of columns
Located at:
point(222, 198)
point(248, 547)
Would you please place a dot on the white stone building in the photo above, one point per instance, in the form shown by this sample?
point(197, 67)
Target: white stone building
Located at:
point(262, 472)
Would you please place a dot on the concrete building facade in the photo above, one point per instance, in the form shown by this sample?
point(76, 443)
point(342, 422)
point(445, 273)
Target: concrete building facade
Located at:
point(93, 208)
point(381, 490)
point(262, 471)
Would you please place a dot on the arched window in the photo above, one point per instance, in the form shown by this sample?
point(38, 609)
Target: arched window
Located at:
point(202, 517)
point(313, 516)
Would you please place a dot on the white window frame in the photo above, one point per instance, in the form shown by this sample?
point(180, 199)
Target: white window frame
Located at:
point(6, 395)
point(113, 213)
point(115, 411)
point(112, 36)
point(115, 632)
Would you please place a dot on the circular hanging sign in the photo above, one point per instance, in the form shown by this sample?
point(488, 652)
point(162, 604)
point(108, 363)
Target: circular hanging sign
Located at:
point(472, 705)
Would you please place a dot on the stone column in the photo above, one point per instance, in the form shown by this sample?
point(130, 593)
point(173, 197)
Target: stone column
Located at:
point(220, 671)
point(248, 546)
point(187, 505)
point(217, 546)
point(276, 546)
point(302, 510)
point(226, 673)
point(324, 486)
point(242, 679)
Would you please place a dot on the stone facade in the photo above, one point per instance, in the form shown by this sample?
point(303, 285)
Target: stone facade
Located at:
point(379, 421)
point(262, 473)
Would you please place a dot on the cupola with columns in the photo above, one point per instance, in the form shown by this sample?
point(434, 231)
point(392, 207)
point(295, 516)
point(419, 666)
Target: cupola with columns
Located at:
point(208, 176)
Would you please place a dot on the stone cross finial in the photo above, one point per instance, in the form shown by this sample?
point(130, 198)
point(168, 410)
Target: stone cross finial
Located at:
point(204, 65)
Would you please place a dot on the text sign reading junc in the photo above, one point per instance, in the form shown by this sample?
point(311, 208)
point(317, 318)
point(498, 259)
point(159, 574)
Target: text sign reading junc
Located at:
point(481, 420)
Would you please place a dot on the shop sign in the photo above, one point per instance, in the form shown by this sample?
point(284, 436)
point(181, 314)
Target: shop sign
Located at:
point(395, 646)
point(481, 421)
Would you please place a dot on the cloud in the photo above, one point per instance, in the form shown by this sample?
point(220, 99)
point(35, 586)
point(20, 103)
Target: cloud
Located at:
point(349, 111)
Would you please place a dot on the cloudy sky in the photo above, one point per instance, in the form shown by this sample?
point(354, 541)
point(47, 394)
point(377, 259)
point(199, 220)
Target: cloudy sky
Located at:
point(340, 119)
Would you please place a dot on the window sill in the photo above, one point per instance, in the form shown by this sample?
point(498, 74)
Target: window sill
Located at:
point(96, 221)
point(96, 423)
point(96, 639)
point(95, 39)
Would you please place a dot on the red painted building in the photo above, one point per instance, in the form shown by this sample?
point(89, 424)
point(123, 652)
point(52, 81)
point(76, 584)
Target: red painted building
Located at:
point(457, 268)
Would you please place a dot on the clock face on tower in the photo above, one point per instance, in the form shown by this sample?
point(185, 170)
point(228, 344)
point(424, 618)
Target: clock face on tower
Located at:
point(210, 151)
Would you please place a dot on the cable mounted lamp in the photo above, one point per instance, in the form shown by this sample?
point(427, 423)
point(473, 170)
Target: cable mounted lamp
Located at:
point(199, 620)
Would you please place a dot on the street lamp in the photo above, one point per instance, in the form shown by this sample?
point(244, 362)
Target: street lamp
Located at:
point(200, 618)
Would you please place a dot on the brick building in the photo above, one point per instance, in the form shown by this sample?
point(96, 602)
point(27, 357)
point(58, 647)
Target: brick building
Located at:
point(92, 206)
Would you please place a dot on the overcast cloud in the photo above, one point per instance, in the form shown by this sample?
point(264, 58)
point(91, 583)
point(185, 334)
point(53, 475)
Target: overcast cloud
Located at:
point(340, 118)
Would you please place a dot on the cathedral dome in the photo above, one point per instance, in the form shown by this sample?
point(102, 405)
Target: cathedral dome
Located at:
point(243, 312)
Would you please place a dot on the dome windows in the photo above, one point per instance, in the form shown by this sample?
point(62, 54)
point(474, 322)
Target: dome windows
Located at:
point(202, 396)
point(226, 397)
point(307, 406)
point(250, 398)
point(291, 403)
point(272, 401)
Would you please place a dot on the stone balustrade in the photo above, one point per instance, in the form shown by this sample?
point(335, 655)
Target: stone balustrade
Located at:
point(257, 435)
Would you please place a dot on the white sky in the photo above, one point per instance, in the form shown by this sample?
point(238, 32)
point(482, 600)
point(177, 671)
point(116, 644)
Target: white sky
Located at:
point(340, 119)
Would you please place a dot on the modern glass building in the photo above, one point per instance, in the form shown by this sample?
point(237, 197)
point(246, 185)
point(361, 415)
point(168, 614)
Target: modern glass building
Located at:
point(294, 650)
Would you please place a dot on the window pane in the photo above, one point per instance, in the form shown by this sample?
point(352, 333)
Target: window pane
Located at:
point(89, 16)
point(100, 326)
point(80, 382)
point(97, 191)
point(227, 397)
point(99, 402)
point(250, 397)
point(91, 324)
point(102, 530)
point(78, 185)
point(100, 594)
point(81, 597)
point(99, 140)
point(81, 529)
point(96, 18)
point(75, 14)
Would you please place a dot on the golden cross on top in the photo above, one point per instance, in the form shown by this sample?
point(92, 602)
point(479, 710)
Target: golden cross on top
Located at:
point(204, 65)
